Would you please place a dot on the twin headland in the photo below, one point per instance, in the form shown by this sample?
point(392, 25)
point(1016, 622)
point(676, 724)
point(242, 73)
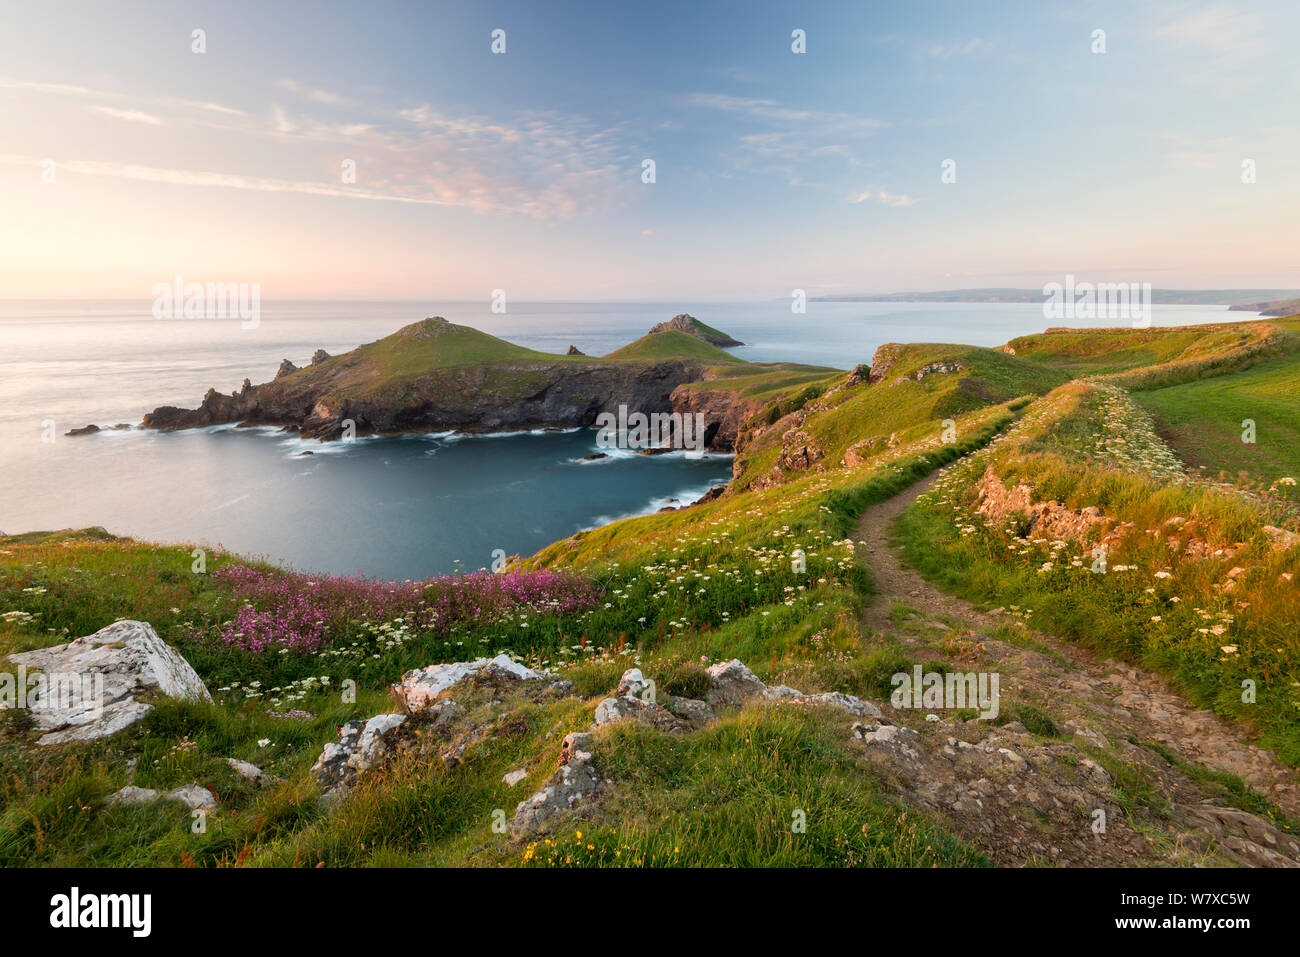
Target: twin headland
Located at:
point(434, 376)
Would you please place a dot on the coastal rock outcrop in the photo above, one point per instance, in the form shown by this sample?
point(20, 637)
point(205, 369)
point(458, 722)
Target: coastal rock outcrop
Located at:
point(434, 376)
point(684, 322)
point(99, 684)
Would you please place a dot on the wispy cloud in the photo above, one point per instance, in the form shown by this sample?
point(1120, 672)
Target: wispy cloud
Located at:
point(883, 198)
point(130, 116)
point(314, 94)
point(971, 47)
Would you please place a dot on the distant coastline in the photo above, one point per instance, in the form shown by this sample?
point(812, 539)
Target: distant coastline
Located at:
point(1241, 298)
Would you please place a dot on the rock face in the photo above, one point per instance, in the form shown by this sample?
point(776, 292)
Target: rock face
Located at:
point(724, 412)
point(575, 351)
point(319, 356)
point(688, 324)
point(133, 664)
point(286, 368)
point(514, 394)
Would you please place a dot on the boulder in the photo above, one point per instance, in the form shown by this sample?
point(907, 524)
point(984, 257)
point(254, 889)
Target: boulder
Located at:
point(420, 687)
point(251, 772)
point(132, 663)
point(191, 795)
point(360, 746)
point(613, 710)
point(574, 782)
point(286, 368)
point(731, 685)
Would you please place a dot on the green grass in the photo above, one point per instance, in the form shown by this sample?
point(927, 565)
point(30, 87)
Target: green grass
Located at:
point(1156, 606)
point(672, 344)
point(1202, 420)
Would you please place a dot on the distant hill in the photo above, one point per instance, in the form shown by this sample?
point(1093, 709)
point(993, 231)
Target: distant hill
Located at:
point(435, 375)
point(1161, 297)
point(692, 326)
point(1277, 308)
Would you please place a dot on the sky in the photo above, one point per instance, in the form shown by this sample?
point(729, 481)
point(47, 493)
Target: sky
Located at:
point(127, 157)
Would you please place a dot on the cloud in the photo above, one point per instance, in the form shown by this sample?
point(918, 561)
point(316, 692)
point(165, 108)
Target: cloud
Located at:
point(314, 94)
point(1218, 27)
point(902, 199)
point(540, 164)
point(971, 47)
point(130, 116)
point(791, 138)
point(883, 198)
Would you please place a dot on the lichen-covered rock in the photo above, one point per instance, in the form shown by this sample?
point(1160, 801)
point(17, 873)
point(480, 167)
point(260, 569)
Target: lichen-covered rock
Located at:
point(632, 684)
point(420, 688)
point(613, 710)
point(695, 713)
point(191, 795)
point(731, 685)
point(251, 772)
point(97, 685)
point(833, 699)
point(360, 746)
point(574, 782)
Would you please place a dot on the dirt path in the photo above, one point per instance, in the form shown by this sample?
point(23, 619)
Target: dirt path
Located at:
point(1122, 741)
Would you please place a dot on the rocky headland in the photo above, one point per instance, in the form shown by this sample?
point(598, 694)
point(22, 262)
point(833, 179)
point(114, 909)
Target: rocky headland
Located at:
point(434, 375)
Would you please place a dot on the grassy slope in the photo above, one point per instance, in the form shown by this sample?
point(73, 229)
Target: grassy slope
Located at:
point(1203, 421)
point(1091, 445)
point(657, 346)
point(908, 410)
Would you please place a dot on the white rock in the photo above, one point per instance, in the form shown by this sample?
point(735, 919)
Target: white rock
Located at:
point(191, 795)
point(250, 772)
point(130, 660)
point(512, 778)
point(420, 687)
point(632, 684)
point(732, 684)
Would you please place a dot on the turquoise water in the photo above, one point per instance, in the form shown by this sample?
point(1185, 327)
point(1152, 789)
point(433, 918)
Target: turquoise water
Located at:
point(395, 507)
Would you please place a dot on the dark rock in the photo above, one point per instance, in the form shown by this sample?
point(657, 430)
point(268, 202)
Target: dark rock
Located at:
point(319, 356)
point(594, 456)
point(84, 430)
point(575, 351)
point(286, 368)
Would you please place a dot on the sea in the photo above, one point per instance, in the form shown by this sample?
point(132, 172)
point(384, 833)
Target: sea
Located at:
point(398, 508)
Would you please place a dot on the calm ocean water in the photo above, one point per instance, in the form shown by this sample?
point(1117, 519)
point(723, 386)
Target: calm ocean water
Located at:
point(395, 507)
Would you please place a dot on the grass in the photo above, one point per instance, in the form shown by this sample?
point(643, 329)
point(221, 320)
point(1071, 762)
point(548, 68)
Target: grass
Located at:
point(1155, 605)
point(1203, 421)
point(672, 344)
